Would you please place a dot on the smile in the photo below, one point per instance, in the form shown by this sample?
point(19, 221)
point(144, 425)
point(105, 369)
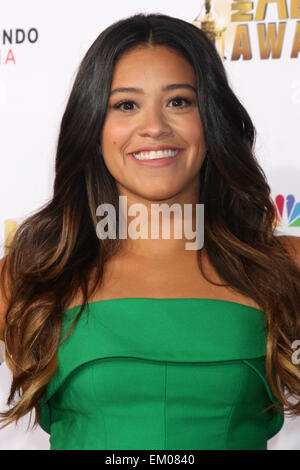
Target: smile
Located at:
point(156, 158)
point(153, 154)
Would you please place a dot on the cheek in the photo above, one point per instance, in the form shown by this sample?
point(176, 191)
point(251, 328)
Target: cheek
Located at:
point(114, 135)
point(194, 131)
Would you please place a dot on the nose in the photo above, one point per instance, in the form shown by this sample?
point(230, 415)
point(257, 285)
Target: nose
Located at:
point(153, 123)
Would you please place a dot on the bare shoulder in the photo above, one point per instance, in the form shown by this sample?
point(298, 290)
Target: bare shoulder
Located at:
point(3, 298)
point(292, 245)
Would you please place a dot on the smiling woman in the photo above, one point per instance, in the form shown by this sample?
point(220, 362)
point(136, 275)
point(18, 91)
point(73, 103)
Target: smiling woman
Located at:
point(163, 115)
point(138, 343)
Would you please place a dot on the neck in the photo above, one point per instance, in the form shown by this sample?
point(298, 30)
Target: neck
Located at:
point(155, 230)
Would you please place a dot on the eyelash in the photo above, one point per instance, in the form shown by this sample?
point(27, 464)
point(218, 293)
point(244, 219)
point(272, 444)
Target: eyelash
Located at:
point(118, 105)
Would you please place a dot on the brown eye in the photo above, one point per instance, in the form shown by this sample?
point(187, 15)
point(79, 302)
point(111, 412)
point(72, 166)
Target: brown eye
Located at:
point(124, 105)
point(179, 101)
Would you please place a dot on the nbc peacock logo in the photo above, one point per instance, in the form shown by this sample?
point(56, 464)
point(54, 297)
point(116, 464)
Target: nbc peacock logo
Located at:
point(288, 211)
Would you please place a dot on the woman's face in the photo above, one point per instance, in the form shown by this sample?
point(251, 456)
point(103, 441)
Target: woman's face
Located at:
point(153, 106)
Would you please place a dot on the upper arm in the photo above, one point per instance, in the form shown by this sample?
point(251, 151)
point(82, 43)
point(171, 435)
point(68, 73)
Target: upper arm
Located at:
point(3, 299)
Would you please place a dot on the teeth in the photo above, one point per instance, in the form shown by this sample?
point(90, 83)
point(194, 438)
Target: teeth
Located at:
point(155, 154)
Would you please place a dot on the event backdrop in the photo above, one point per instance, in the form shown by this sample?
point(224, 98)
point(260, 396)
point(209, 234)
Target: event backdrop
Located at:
point(41, 46)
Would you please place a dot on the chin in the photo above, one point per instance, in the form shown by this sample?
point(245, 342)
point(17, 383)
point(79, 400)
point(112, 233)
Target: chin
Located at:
point(157, 196)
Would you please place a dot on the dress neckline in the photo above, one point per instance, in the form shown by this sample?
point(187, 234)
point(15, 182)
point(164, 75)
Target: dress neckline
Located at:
point(172, 299)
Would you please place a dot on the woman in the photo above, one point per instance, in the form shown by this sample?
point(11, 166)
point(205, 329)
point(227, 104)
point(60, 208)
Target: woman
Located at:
point(167, 347)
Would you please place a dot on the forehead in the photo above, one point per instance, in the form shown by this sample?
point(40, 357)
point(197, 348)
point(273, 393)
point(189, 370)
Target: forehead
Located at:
point(157, 62)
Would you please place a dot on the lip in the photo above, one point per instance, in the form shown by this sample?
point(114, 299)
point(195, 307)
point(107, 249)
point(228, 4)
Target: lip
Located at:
point(158, 162)
point(156, 148)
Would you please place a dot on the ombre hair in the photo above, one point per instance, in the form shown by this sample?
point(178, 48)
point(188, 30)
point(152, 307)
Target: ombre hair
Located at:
point(55, 251)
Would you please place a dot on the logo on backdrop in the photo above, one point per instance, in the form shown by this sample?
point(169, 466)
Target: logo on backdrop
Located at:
point(288, 211)
point(268, 35)
point(10, 41)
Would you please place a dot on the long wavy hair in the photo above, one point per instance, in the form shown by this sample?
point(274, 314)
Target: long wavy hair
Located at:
point(55, 251)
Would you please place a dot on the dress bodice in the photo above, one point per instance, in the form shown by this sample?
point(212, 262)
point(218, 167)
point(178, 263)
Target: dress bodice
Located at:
point(145, 373)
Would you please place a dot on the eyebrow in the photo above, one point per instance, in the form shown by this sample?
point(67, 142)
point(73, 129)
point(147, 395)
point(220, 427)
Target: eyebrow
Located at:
point(173, 86)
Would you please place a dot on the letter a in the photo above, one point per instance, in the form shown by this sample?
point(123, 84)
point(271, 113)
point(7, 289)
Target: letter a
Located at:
point(262, 6)
point(241, 44)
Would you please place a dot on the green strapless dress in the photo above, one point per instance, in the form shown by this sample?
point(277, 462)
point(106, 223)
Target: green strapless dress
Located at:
point(145, 373)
